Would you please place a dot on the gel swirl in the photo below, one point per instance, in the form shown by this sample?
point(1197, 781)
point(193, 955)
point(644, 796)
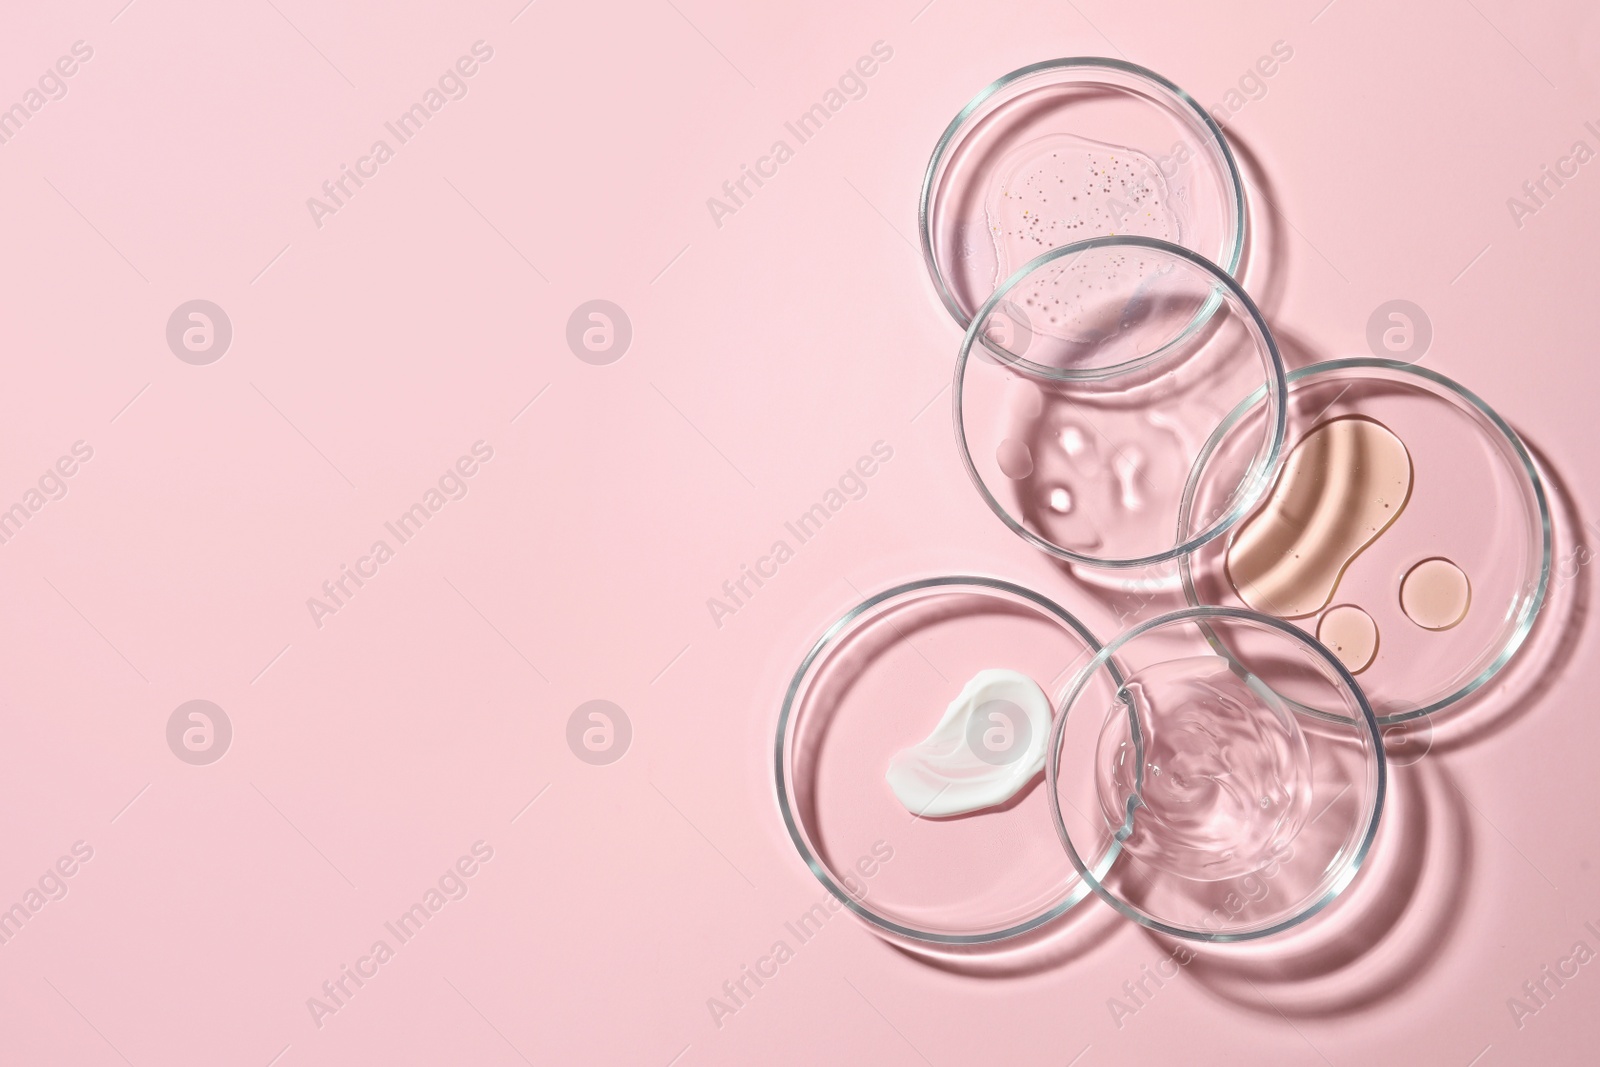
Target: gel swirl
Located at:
point(1226, 779)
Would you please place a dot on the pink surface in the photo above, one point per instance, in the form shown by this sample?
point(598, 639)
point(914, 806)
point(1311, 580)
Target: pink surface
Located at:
point(377, 340)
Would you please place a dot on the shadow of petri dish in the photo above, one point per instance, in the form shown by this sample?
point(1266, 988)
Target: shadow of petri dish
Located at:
point(1554, 639)
point(1384, 935)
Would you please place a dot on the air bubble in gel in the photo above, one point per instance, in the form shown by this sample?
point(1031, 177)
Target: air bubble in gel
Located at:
point(1058, 189)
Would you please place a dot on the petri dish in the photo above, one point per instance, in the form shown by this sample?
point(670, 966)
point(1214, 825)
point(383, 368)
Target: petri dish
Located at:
point(1065, 150)
point(1403, 496)
point(876, 682)
point(1230, 812)
point(1104, 368)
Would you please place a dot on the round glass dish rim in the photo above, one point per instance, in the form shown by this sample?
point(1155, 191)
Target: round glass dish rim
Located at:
point(792, 823)
point(1276, 385)
point(1233, 252)
point(1531, 607)
point(1104, 658)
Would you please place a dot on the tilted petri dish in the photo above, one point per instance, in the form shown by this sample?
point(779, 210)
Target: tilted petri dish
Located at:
point(1407, 526)
point(876, 683)
point(1235, 813)
point(1065, 150)
point(1100, 377)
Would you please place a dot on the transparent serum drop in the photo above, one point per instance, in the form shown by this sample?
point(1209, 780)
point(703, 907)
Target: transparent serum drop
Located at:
point(1435, 594)
point(1060, 188)
point(1350, 634)
point(1344, 483)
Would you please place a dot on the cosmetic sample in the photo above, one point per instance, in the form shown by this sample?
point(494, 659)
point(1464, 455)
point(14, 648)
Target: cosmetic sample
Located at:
point(1435, 594)
point(1343, 485)
point(1225, 779)
point(988, 745)
point(1351, 634)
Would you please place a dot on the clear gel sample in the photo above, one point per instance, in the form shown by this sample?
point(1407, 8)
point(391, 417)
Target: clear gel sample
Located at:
point(1225, 782)
point(1058, 189)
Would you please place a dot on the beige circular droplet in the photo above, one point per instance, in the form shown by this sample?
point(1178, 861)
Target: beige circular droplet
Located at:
point(1015, 459)
point(1351, 635)
point(1435, 594)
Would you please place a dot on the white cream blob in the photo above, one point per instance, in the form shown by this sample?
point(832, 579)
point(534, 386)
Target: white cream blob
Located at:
point(989, 744)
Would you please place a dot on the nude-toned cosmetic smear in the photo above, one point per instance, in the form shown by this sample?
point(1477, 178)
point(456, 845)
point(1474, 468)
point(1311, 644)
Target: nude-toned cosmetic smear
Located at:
point(1344, 484)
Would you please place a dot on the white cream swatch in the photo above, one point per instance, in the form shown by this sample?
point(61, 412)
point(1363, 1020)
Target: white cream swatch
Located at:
point(1007, 716)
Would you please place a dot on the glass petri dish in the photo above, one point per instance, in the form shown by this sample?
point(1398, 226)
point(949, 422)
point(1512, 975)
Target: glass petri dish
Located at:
point(1065, 150)
point(1408, 526)
point(1235, 814)
point(877, 682)
point(1107, 364)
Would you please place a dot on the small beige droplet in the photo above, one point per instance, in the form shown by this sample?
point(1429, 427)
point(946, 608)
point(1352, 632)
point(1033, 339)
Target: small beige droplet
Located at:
point(1015, 459)
point(1435, 594)
point(1351, 635)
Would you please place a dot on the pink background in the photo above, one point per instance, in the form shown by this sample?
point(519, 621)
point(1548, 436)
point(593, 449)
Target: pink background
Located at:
point(768, 354)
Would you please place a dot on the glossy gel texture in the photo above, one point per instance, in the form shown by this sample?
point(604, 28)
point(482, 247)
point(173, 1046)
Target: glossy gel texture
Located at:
point(1342, 485)
point(1225, 783)
point(1059, 189)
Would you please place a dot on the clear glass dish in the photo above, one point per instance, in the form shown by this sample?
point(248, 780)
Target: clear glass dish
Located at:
point(1408, 527)
point(1228, 811)
point(1106, 365)
point(1065, 150)
point(877, 681)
